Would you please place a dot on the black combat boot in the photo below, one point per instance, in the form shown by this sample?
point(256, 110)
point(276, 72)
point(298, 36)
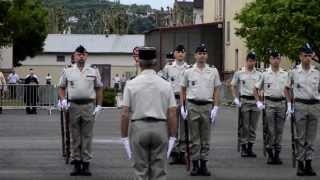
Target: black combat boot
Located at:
point(250, 151)
point(76, 168)
point(277, 159)
point(244, 150)
point(271, 158)
point(300, 168)
point(86, 169)
point(308, 171)
point(195, 168)
point(203, 168)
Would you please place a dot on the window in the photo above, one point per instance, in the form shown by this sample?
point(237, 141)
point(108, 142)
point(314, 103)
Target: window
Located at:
point(61, 58)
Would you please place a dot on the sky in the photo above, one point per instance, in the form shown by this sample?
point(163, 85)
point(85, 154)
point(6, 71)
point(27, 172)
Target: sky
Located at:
point(155, 4)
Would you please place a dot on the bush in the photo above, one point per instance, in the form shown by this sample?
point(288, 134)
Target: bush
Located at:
point(109, 97)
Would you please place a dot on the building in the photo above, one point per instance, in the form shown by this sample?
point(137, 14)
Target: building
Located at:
point(6, 60)
point(182, 13)
point(197, 11)
point(111, 54)
point(224, 11)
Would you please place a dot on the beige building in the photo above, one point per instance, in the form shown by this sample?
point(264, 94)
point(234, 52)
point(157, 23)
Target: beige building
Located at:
point(225, 11)
point(6, 58)
point(110, 54)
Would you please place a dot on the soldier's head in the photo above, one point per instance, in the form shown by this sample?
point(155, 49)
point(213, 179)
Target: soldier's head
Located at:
point(31, 72)
point(135, 55)
point(179, 53)
point(251, 60)
point(275, 58)
point(170, 57)
point(147, 57)
point(201, 54)
point(306, 54)
point(80, 55)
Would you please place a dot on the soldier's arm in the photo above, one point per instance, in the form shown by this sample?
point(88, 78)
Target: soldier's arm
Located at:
point(62, 86)
point(234, 84)
point(216, 96)
point(124, 121)
point(183, 95)
point(99, 96)
point(172, 121)
point(288, 88)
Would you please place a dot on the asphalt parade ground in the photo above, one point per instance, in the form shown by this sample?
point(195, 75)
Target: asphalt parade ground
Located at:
point(30, 149)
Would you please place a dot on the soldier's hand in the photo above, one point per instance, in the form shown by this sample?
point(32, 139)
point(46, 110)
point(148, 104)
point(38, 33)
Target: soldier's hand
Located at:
point(237, 102)
point(172, 140)
point(184, 113)
point(63, 104)
point(125, 142)
point(213, 114)
point(97, 110)
point(289, 109)
point(260, 105)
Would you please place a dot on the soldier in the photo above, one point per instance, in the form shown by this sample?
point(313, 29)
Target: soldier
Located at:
point(31, 92)
point(84, 88)
point(200, 88)
point(304, 80)
point(174, 74)
point(272, 84)
point(2, 89)
point(150, 99)
point(169, 61)
point(244, 80)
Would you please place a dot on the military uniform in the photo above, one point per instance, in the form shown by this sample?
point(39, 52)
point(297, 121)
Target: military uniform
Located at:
point(273, 85)
point(306, 110)
point(174, 74)
point(149, 97)
point(81, 89)
point(245, 81)
point(200, 85)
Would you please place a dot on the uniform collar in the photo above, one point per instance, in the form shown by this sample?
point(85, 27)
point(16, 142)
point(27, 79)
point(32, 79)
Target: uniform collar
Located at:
point(299, 68)
point(148, 71)
point(176, 65)
point(269, 70)
point(244, 69)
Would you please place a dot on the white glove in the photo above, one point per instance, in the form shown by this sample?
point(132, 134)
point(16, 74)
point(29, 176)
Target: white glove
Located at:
point(260, 105)
point(97, 110)
point(237, 102)
point(63, 104)
point(213, 114)
point(289, 109)
point(172, 140)
point(184, 113)
point(125, 142)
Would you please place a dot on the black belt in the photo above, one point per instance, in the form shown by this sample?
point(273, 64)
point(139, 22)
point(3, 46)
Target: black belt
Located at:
point(151, 119)
point(307, 101)
point(177, 96)
point(82, 101)
point(248, 97)
point(275, 99)
point(198, 102)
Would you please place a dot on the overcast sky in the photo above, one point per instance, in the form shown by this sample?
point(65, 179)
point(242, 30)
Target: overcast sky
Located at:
point(155, 4)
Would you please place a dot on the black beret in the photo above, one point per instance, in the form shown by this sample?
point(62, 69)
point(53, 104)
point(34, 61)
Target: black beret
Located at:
point(201, 48)
point(306, 49)
point(180, 48)
point(81, 49)
point(147, 53)
point(170, 55)
point(274, 53)
point(252, 55)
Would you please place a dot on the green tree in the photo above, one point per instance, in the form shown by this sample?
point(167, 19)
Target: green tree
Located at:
point(5, 32)
point(282, 24)
point(26, 20)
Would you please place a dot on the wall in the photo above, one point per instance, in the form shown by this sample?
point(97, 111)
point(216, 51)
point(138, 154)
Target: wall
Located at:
point(6, 58)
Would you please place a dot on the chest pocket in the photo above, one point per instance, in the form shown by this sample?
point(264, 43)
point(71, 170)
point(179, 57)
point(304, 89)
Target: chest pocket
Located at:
point(90, 77)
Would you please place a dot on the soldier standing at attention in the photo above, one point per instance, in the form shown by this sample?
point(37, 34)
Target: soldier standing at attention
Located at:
point(151, 101)
point(272, 84)
point(84, 88)
point(304, 80)
point(200, 88)
point(242, 86)
point(174, 73)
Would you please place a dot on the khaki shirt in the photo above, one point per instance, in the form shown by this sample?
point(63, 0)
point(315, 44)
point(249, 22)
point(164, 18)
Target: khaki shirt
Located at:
point(200, 84)
point(273, 83)
point(80, 84)
point(305, 84)
point(174, 74)
point(148, 95)
point(2, 79)
point(245, 81)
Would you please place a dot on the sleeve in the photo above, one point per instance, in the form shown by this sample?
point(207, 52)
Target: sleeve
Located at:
point(289, 80)
point(2, 79)
point(126, 96)
point(235, 79)
point(260, 82)
point(184, 80)
point(172, 100)
point(98, 83)
point(63, 80)
point(165, 72)
point(217, 81)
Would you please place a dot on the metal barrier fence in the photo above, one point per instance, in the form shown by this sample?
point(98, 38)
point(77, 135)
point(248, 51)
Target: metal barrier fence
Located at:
point(15, 96)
